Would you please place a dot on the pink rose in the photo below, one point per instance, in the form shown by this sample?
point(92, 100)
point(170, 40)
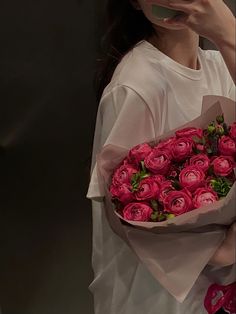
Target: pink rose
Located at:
point(174, 171)
point(123, 174)
point(200, 160)
point(204, 196)
point(137, 212)
point(181, 149)
point(200, 147)
point(178, 202)
point(173, 174)
point(123, 193)
point(232, 131)
point(126, 162)
point(159, 178)
point(189, 132)
point(191, 178)
point(166, 143)
point(158, 161)
point(165, 188)
point(223, 165)
point(227, 146)
point(148, 189)
point(138, 153)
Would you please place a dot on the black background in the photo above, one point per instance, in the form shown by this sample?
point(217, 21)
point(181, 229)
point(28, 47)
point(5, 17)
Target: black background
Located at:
point(47, 112)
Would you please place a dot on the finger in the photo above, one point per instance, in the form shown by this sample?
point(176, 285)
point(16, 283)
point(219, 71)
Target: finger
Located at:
point(183, 6)
point(163, 3)
point(177, 20)
point(187, 6)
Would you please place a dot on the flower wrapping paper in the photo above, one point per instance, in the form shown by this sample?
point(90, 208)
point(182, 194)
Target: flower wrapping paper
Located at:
point(175, 251)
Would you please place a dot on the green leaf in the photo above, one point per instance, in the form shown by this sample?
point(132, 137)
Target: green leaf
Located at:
point(220, 119)
point(209, 151)
point(170, 216)
point(144, 175)
point(143, 167)
point(154, 216)
point(220, 130)
point(196, 151)
point(154, 205)
point(211, 128)
point(161, 217)
point(221, 186)
point(137, 178)
point(197, 139)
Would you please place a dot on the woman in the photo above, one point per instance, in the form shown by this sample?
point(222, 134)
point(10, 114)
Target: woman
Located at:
point(153, 78)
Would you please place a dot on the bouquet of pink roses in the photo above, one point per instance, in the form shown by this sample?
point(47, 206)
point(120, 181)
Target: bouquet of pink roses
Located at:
point(174, 196)
point(178, 174)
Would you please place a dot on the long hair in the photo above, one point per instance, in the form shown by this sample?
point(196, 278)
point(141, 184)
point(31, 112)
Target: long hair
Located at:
point(125, 26)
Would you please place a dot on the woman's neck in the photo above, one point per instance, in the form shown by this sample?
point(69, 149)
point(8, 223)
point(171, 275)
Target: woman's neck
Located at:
point(179, 45)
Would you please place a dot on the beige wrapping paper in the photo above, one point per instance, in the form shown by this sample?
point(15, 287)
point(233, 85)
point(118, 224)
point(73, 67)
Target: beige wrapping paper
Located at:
point(177, 250)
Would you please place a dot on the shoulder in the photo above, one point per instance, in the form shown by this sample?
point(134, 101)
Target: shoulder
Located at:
point(211, 55)
point(215, 68)
point(212, 58)
point(121, 97)
point(136, 71)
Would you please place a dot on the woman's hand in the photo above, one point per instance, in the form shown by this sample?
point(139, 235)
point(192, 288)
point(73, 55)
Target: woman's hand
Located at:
point(211, 19)
point(225, 255)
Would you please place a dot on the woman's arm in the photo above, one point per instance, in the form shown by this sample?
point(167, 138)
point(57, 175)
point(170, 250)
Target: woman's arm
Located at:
point(211, 19)
point(225, 255)
point(226, 45)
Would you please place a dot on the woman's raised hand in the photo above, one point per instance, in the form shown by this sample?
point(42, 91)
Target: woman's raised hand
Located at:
point(211, 19)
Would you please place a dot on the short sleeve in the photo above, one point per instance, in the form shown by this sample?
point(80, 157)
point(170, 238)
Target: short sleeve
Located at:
point(232, 92)
point(124, 119)
point(227, 80)
point(127, 119)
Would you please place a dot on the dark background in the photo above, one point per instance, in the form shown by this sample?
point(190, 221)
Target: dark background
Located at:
point(47, 114)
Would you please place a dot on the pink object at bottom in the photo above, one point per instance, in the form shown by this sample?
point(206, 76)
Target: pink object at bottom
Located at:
point(219, 296)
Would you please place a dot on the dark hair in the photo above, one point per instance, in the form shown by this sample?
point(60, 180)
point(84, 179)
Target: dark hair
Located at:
point(125, 27)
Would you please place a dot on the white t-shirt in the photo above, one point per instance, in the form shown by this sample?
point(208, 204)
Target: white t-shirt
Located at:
point(149, 94)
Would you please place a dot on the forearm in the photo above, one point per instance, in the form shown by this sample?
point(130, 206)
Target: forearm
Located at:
point(227, 47)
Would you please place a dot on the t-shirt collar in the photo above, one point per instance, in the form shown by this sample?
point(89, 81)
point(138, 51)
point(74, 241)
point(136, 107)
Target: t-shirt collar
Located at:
point(172, 64)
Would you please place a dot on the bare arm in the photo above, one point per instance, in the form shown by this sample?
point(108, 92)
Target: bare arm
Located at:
point(227, 46)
